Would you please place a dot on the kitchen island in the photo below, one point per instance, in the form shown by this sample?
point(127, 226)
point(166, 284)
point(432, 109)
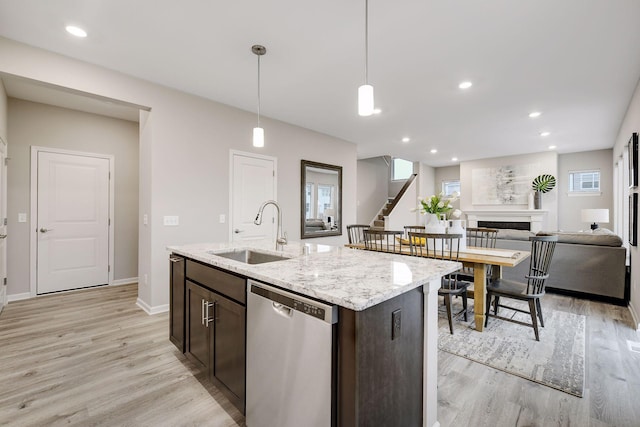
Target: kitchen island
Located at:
point(385, 347)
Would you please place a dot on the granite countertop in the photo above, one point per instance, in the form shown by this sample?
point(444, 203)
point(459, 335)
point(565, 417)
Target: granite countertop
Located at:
point(351, 278)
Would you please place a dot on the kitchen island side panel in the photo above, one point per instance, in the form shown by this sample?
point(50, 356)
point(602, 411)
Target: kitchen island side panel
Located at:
point(381, 371)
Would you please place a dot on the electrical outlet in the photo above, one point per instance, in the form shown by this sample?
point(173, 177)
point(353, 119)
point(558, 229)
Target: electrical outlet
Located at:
point(223, 218)
point(22, 217)
point(396, 324)
point(146, 279)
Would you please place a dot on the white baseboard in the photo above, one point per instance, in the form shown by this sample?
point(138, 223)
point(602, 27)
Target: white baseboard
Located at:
point(18, 297)
point(128, 281)
point(152, 310)
point(634, 315)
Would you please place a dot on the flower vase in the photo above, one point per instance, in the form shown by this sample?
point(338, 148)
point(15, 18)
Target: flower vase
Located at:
point(434, 224)
point(458, 226)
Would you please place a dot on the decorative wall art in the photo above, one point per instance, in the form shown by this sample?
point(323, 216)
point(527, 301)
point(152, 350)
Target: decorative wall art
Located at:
point(633, 160)
point(502, 185)
point(633, 219)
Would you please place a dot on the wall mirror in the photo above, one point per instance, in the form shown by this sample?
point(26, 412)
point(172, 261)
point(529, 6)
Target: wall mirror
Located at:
point(321, 200)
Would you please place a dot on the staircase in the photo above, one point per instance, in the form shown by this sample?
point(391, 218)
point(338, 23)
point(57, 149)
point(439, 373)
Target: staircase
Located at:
point(378, 222)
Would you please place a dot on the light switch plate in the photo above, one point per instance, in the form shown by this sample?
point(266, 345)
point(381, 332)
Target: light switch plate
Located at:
point(171, 220)
point(222, 218)
point(145, 219)
point(22, 217)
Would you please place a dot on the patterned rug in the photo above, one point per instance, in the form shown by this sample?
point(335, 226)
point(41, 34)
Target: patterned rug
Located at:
point(556, 361)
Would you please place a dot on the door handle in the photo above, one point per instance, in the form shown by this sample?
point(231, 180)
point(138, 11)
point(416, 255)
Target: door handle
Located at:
point(3, 236)
point(45, 230)
point(237, 230)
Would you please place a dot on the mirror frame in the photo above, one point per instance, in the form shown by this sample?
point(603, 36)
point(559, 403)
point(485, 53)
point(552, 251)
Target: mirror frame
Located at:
point(304, 164)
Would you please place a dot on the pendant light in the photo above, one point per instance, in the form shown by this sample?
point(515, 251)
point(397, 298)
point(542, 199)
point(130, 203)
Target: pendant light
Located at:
point(365, 92)
point(258, 132)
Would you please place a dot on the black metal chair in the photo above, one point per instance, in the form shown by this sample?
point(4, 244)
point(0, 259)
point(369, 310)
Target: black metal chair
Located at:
point(382, 240)
point(413, 229)
point(446, 247)
point(356, 233)
point(542, 248)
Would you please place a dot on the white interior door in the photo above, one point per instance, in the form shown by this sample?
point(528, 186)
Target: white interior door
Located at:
point(72, 222)
point(253, 181)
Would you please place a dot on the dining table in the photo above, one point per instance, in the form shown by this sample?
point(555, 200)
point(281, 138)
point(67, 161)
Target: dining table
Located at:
point(479, 259)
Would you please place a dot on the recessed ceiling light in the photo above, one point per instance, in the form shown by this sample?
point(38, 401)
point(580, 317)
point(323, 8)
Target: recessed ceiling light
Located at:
point(76, 31)
point(535, 114)
point(465, 85)
point(545, 133)
point(406, 139)
point(552, 147)
point(377, 111)
point(434, 151)
point(454, 159)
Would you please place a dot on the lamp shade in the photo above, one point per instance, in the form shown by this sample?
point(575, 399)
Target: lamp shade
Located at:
point(595, 215)
point(365, 100)
point(258, 137)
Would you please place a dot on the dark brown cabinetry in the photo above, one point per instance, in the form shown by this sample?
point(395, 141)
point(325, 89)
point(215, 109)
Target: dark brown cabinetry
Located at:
point(215, 330)
point(176, 301)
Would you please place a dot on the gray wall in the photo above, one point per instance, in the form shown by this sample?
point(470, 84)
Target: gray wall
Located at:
point(373, 188)
point(184, 165)
point(569, 207)
point(33, 124)
point(3, 112)
point(447, 173)
point(630, 124)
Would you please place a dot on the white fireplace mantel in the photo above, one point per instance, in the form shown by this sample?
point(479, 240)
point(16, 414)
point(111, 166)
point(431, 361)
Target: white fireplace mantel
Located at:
point(536, 217)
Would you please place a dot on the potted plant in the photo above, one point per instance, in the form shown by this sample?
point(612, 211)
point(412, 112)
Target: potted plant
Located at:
point(542, 184)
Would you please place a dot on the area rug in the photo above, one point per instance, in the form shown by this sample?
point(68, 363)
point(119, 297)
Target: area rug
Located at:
point(556, 361)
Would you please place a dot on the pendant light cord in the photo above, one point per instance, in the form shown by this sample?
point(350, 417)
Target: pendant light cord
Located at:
point(366, 41)
point(258, 90)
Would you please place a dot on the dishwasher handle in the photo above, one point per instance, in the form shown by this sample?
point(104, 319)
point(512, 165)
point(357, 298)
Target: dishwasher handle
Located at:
point(282, 310)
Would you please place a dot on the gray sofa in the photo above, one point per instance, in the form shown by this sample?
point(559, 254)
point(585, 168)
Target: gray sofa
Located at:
point(585, 264)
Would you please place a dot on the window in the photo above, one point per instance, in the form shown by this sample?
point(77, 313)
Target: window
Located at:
point(582, 182)
point(401, 169)
point(450, 186)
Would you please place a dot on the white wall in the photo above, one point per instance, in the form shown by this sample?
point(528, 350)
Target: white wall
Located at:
point(32, 124)
point(184, 161)
point(548, 162)
point(630, 124)
point(569, 207)
point(373, 188)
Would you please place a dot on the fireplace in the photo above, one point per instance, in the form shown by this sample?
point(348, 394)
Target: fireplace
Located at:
point(519, 219)
point(513, 225)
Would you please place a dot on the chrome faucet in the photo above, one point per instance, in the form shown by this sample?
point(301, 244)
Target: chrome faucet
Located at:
point(280, 239)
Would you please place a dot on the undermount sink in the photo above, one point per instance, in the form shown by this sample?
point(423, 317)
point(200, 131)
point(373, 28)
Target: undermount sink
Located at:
point(249, 256)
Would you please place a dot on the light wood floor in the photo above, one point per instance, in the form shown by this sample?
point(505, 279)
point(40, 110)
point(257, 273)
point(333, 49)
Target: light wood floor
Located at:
point(93, 358)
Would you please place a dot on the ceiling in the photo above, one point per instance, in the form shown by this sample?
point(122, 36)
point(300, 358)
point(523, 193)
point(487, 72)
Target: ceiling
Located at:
point(576, 61)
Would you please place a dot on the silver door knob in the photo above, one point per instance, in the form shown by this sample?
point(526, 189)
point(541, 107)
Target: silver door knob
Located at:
point(44, 230)
point(3, 236)
point(237, 230)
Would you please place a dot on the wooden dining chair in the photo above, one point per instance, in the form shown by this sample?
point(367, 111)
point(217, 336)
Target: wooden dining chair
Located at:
point(531, 291)
point(446, 247)
point(355, 232)
point(382, 240)
point(479, 238)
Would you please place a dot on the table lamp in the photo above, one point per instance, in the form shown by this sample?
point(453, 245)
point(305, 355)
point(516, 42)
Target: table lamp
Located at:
point(594, 216)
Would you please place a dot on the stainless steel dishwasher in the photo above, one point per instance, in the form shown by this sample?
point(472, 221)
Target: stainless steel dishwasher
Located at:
point(290, 359)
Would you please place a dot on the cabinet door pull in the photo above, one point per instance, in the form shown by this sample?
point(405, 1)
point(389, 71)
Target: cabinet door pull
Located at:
point(202, 310)
point(206, 308)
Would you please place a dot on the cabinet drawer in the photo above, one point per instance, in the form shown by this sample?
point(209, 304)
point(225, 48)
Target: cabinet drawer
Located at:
point(224, 283)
